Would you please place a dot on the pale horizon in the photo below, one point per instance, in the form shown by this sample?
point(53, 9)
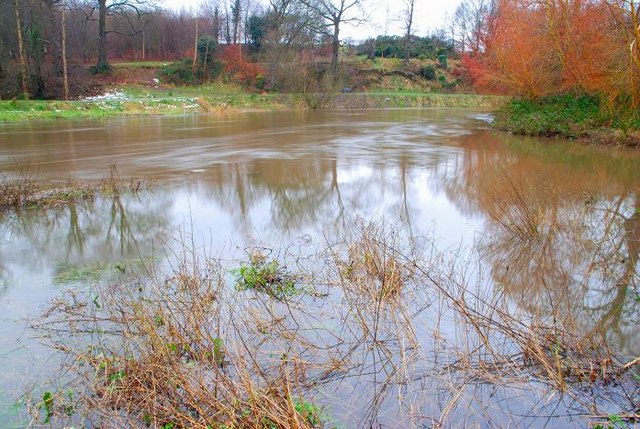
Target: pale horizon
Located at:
point(384, 16)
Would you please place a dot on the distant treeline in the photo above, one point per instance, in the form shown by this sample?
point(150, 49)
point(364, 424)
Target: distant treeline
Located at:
point(36, 55)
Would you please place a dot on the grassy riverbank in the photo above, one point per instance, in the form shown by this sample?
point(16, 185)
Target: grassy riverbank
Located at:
point(142, 101)
point(583, 117)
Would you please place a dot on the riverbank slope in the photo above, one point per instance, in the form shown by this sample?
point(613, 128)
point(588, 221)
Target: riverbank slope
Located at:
point(583, 118)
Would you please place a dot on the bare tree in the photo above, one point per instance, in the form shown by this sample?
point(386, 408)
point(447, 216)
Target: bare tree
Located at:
point(291, 22)
point(210, 10)
point(408, 24)
point(335, 13)
point(65, 72)
point(109, 7)
point(236, 14)
point(471, 20)
point(460, 25)
point(226, 24)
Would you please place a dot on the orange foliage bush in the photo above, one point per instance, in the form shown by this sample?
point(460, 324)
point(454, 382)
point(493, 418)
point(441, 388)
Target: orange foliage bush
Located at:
point(237, 67)
point(474, 70)
point(541, 47)
point(517, 55)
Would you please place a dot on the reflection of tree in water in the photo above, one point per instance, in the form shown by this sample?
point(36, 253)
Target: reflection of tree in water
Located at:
point(296, 191)
point(300, 192)
point(319, 191)
point(120, 227)
point(581, 258)
point(111, 228)
point(621, 265)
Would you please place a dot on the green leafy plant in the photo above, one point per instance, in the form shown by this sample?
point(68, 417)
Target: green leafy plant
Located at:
point(218, 351)
point(47, 404)
point(308, 411)
point(615, 421)
point(117, 376)
point(264, 276)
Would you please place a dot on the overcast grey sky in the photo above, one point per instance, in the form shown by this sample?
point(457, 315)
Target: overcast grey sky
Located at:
point(429, 15)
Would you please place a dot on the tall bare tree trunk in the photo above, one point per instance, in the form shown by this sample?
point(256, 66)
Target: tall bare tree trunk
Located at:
point(23, 63)
point(634, 48)
point(195, 50)
point(65, 74)
point(408, 25)
point(103, 64)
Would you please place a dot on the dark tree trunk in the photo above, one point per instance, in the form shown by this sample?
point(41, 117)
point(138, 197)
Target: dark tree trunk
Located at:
point(65, 73)
point(103, 64)
point(408, 24)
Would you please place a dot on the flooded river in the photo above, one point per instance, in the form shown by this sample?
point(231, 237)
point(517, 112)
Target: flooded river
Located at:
point(550, 229)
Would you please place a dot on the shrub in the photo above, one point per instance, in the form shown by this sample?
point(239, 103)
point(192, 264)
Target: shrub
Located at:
point(182, 72)
point(237, 68)
point(177, 73)
point(428, 72)
point(550, 116)
point(206, 48)
point(101, 69)
point(442, 61)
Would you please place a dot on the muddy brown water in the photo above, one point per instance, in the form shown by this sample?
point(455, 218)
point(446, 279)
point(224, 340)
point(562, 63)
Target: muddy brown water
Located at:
point(291, 177)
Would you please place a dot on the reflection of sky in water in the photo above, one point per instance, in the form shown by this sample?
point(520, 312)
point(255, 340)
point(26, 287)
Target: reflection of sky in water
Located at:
point(365, 191)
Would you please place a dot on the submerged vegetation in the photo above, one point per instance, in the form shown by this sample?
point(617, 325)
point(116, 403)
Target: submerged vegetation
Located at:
point(266, 276)
point(373, 325)
point(187, 349)
point(174, 356)
point(26, 191)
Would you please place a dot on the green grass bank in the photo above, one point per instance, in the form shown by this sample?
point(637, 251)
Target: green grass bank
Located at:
point(583, 118)
point(140, 101)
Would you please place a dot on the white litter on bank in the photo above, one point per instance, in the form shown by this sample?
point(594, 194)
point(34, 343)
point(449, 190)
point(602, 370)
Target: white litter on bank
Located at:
point(109, 96)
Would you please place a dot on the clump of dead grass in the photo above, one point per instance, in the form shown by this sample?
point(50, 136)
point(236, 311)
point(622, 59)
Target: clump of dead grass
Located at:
point(171, 353)
point(373, 265)
point(17, 192)
point(517, 209)
point(27, 191)
point(563, 358)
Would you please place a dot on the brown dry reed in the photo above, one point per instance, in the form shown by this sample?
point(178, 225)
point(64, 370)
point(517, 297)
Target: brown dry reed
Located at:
point(30, 191)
